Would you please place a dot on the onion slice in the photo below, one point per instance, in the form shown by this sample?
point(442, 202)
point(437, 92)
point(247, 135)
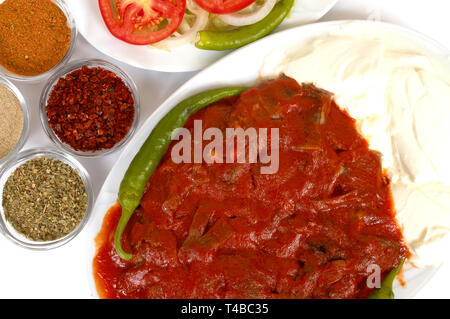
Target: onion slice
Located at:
point(241, 19)
point(186, 33)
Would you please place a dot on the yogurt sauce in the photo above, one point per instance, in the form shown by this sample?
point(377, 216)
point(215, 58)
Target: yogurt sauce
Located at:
point(401, 100)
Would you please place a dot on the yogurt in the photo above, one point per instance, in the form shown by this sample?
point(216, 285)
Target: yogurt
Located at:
point(400, 99)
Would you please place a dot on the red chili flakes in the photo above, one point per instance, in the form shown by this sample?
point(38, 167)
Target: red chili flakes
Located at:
point(90, 109)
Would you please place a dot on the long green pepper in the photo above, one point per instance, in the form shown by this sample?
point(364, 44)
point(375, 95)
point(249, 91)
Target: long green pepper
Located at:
point(149, 156)
point(226, 40)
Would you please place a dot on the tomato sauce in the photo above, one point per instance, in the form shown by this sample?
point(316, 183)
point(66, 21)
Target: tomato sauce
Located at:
point(227, 231)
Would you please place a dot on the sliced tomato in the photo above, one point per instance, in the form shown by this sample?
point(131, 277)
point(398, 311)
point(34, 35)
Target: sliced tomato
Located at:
point(224, 6)
point(142, 22)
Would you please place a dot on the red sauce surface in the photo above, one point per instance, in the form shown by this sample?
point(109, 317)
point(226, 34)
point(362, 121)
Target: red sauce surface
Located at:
point(227, 231)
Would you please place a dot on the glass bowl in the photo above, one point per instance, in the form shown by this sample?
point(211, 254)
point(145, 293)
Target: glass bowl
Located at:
point(73, 32)
point(8, 230)
point(26, 120)
point(62, 72)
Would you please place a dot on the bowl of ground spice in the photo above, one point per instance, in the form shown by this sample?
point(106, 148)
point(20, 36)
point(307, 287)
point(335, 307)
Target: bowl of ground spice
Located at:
point(90, 108)
point(36, 36)
point(46, 199)
point(14, 120)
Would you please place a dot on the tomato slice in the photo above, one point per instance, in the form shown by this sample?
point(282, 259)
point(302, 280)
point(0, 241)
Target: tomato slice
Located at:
point(142, 22)
point(224, 6)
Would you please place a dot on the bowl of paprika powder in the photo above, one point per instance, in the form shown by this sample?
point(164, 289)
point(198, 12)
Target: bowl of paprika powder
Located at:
point(90, 108)
point(38, 36)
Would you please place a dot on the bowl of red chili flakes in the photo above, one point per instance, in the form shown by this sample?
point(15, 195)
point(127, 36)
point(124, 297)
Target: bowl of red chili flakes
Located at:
point(90, 108)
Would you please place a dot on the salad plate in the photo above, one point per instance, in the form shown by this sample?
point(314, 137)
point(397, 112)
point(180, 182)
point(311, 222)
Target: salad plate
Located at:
point(181, 58)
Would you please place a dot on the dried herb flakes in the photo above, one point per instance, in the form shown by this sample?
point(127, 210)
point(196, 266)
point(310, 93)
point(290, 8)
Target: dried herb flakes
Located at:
point(44, 199)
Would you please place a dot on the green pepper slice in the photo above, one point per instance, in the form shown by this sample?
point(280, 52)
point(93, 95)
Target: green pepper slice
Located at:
point(226, 40)
point(149, 156)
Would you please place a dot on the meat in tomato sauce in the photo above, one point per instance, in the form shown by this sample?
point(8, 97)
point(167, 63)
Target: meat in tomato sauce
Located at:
point(227, 231)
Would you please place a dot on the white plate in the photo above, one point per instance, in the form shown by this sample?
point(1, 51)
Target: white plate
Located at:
point(241, 68)
point(186, 58)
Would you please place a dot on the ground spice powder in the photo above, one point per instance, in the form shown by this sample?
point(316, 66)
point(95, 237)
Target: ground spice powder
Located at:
point(34, 36)
point(44, 199)
point(11, 121)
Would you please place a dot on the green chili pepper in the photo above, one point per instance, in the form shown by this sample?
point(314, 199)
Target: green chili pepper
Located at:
point(226, 40)
point(385, 291)
point(149, 156)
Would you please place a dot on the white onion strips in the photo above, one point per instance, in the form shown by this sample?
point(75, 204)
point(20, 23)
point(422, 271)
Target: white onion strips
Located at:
point(187, 33)
point(241, 19)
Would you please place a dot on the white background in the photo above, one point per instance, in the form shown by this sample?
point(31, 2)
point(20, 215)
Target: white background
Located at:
point(62, 273)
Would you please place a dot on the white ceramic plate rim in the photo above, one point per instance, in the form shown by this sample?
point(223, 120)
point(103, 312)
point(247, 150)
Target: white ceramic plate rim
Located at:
point(241, 68)
point(181, 59)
